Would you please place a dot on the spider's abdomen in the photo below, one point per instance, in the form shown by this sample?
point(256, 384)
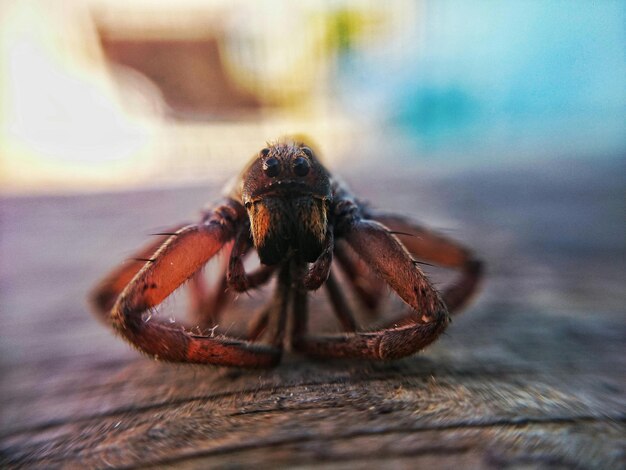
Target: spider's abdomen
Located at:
point(282, 225)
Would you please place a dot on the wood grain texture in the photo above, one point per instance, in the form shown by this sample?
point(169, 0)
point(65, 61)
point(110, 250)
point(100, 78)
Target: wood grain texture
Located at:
point(531, 376)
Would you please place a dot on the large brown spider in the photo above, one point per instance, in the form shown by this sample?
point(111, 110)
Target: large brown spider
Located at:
point(297, 217)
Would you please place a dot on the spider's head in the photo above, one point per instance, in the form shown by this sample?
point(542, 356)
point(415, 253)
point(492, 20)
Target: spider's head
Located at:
point(286, 192)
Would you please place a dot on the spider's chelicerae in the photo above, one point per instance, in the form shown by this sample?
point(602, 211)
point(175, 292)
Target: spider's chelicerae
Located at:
point(300, 220)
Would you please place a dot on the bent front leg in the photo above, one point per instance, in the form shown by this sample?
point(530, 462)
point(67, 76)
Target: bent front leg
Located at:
point(435, 248)
point(175, 262)
point(390, 260)
point(106, 292)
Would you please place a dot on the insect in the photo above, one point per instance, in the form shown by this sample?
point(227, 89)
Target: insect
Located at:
point(300, 220)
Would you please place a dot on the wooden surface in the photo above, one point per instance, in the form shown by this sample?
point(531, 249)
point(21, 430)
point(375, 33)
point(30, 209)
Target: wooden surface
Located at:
point(531, 376)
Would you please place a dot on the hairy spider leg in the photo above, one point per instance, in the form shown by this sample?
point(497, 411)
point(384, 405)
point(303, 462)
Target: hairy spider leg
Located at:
point(259, 320)
point(390, 260)
point(106, 292)
point(206, 305)
point(277, 319)
point(176, 261)
point(340, 305)
point(368, 287)
point(427, 245)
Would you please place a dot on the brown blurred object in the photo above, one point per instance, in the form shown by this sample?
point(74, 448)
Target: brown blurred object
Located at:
point(188, 71)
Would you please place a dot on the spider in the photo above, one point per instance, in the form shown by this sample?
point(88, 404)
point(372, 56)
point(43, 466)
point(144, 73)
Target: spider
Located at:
point(299, 219)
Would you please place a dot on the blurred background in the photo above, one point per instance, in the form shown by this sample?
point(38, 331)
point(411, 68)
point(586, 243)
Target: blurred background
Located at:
point(110, 94)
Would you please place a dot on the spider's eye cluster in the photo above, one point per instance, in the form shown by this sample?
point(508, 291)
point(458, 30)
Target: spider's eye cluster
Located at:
point(301, 166)
point(271, 166)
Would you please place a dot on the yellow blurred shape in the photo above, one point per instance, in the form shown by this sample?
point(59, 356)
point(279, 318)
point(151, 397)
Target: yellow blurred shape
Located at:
point(285, 54)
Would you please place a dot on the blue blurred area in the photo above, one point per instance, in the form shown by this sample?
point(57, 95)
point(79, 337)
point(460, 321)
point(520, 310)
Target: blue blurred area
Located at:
point(531, 76)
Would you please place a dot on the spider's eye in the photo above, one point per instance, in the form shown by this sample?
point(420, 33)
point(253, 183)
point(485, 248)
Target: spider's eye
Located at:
point(271, 166)
point(307, 151)
point(265, 152)
point(301, 166)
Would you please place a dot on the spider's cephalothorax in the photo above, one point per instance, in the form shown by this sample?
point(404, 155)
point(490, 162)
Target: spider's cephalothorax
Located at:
point(286, 192)
point(302, 223)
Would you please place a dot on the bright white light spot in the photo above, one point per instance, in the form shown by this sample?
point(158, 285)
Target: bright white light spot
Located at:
point(61, 110)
